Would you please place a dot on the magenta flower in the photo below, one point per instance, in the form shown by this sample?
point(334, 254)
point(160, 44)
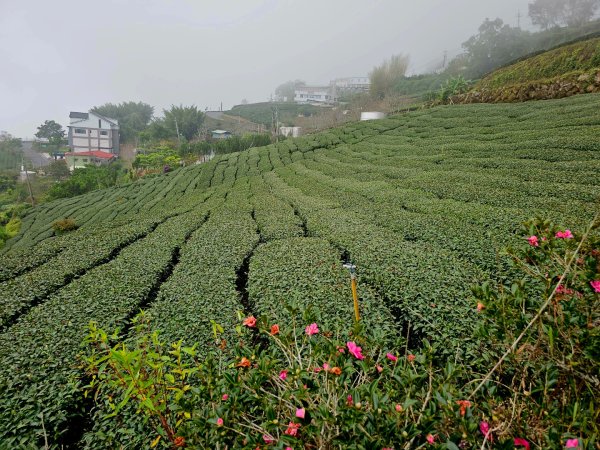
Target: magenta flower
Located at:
point(349, 400)
point(311, 329)
point(326, 366)
point(391, 357)
point(268, 439)
point(595, 285)
point(283, 374)
point(564, 234)
point(379, 368)
point(572, 443)
point(219, 422)
point(300, 412)
point(430, 438)
point(533, 241)
point(522, 442)
point(484, 427)
point(225, 397)
point(355, 350)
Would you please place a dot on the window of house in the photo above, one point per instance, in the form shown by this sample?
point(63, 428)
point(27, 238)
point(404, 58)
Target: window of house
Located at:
point(85, 160)
point(80, 130)
point(104, 133)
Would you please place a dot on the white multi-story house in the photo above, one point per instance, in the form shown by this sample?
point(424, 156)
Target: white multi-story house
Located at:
point(314, 94)
point(352, 84)
point(90, 132)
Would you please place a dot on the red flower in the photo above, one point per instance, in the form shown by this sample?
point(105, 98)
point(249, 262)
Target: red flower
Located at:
point(349, 401)
point(268, 439)
point(283, 374)
point(179, 441)
point(250, 322)
point(219, 422)
point(245, 362)
point(274, 329)
point(336, 371)
point(533, 241)
point(292, 429)
point(522, 442)
point(464, 404)
point(411, 357)
point(225, 397)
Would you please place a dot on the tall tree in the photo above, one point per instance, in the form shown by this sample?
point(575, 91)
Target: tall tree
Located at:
point(286, 91)
point(384, 77)
point(133, 117)
point(52, 131)
point(553, 13)
point(184, 120)
point(495, 44)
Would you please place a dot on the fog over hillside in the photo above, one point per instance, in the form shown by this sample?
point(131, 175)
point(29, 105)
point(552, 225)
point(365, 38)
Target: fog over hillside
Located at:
point(66, 56)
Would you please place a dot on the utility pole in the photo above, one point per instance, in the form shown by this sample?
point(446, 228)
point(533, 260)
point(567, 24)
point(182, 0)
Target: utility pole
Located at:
point(519, 18)
point(445, 59)
point(177, 129)
point(27, 179)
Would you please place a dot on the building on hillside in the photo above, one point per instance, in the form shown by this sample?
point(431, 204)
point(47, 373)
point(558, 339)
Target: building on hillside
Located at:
point(89, 132)
point(78, 160)
point(220, 134)
point(351, 85)
point(317, 95)
point(290, 131)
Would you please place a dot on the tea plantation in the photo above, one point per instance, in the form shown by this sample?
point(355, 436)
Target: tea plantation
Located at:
point(422, 203)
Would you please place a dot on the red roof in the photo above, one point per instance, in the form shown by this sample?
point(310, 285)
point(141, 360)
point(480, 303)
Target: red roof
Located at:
point(95, 154)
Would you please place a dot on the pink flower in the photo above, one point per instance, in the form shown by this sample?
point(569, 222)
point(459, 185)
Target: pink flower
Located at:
point(326, 366)
point(355, 350)
point(349, 401)
point(379, 368)
point(250, 321)
point(300, 413)
point(292, 429)
point(430, 438)
point(225, 397)
point(411, 357)
point(595, 285)
point(283, 374)
point(268, 439)
point(398, 408)
point(391, 357)
point(533, 241)
point(341, 350)
point(572, 443)
point(289, 448)
point(219, 422)
point(564, 234)
point(484, 427)
point(317, 369)
point(522, 442)
point(312, 329)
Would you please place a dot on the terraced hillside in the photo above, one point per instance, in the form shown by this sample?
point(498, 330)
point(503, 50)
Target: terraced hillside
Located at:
point(422, 203)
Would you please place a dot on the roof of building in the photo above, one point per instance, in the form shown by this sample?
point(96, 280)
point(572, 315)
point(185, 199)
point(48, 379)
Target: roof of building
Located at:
point(78, 115)
point(95, 154)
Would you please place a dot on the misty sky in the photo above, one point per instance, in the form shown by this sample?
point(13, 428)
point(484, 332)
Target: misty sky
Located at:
point(64, 55)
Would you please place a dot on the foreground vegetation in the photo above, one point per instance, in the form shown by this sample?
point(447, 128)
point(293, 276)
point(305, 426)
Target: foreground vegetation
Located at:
point(423, 204)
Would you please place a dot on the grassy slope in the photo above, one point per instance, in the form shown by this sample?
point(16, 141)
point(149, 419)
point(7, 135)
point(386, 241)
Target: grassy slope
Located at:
point(580, 56)
point(262, 112)
point(422, 203)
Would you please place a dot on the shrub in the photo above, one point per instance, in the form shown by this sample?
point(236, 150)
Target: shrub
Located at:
point(64, 225)
point(299, 386)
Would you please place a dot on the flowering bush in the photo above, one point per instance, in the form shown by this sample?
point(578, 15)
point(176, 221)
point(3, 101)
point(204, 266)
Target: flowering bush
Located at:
point(296, 385)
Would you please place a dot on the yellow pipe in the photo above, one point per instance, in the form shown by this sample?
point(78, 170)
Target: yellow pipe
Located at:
point(355, 297)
